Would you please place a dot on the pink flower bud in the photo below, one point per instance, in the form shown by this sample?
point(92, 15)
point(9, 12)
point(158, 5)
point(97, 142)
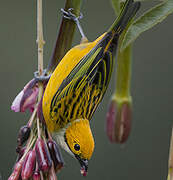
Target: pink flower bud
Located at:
point(110, 123)
point(118, 124)
point(16, 172)
point(16, 103)
point(52, 174)
point(43, 156)
point(36, 175)
point(28, 165)
point(55, 155)
point(26, 99)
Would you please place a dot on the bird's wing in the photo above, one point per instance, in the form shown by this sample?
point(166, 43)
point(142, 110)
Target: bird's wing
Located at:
point(81, 92)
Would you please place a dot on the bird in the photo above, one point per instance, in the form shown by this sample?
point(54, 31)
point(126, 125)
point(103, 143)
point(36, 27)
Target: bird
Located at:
point(78, 84)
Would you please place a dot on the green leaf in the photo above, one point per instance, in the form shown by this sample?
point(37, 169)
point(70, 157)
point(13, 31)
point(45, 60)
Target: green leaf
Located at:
point(149, 19)
point(116, 6)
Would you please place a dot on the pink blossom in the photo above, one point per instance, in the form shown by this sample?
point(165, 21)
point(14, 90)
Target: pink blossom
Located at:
point(26, 99)
point(118, 121)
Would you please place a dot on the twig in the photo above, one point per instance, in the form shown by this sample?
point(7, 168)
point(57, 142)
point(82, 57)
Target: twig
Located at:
point(40, 42)
point(170, 163)
point(32, 116)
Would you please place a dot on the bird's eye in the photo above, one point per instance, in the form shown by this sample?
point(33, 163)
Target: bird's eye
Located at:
point(77, 147)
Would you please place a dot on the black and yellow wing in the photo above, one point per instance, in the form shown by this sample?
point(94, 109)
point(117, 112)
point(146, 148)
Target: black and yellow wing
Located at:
point(81, 92)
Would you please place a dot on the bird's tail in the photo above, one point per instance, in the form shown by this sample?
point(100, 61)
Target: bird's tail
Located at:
point(128, 11)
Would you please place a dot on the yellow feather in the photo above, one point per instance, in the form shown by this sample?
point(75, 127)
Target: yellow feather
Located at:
point(79, 132)
point(67, 64)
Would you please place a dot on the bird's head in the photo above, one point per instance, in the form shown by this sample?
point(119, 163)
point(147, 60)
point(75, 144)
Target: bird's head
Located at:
point(77, 139)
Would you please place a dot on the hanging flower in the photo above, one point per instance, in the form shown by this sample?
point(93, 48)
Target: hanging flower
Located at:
point(26, 99)
point(118, 120)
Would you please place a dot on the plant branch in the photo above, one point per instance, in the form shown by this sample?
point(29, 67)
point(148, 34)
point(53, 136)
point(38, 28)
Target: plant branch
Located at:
point(40, 42)
point(170, 163)
point(123, 73)
point(123, 70)
point(65, 35)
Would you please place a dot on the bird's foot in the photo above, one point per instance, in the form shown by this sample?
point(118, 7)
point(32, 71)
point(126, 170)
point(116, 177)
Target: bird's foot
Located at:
point(44, 77)
point(69, 15)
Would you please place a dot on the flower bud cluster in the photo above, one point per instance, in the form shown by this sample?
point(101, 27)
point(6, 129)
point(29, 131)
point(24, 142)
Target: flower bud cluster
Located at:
point(39, 156)
point(43, 160)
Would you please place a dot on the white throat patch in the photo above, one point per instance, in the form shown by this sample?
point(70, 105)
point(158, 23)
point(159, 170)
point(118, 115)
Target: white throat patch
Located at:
point(59, 137)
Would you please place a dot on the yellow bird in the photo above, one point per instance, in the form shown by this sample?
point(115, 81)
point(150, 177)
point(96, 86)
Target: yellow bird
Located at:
point(77, 86)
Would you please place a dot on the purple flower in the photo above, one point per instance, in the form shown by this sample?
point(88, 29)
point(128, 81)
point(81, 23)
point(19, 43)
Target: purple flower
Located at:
point(118, 120)
point(16, 171)
point(55, 154)
point(26, 99)
point(43, 156)
point(28, 165)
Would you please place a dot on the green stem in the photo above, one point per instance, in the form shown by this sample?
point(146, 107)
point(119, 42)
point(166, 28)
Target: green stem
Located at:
point(123, 69)
point(32, 116)
point(123, 72)
point(65, 35)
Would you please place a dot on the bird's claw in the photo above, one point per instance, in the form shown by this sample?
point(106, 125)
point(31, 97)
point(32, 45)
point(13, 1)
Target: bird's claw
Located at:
point(69, 15)
point(43, 77)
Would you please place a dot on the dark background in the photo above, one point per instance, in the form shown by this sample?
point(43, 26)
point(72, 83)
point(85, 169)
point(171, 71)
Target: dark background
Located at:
point(145, 154)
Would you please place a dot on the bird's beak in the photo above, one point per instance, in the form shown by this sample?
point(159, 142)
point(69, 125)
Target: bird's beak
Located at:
point(84, 165)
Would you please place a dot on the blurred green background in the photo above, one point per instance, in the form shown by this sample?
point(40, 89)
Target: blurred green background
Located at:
point(145, 154)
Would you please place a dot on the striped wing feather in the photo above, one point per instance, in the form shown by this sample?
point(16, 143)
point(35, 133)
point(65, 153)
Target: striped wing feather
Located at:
point(81, 92)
